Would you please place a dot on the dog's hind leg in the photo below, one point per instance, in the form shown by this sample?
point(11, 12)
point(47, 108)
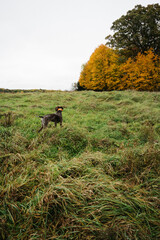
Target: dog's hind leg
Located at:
point(40, 129)
point(44, 123)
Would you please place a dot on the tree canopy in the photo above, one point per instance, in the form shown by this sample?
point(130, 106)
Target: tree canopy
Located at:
point(96, 71)
point(137, 31)
point(104, 72)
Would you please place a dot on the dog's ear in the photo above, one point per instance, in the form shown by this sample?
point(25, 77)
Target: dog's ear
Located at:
point(56, 109)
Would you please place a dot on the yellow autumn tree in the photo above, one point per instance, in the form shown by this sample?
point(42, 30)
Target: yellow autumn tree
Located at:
point(141, 74)
point(104, 72)
point(113, 74)
point(96, 72)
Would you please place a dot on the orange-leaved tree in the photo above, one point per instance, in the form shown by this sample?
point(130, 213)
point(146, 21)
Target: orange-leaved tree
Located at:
point(141, 74)
point(104, 72)
point(96, 72)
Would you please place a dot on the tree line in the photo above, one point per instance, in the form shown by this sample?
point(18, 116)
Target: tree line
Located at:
point(131, 57)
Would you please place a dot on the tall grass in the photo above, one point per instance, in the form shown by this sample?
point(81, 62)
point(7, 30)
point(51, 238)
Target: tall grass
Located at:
point(95, 178)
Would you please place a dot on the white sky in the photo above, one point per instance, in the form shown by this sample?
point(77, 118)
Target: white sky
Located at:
point(43, 43)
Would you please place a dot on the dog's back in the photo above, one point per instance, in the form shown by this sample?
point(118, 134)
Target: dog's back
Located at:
point(51, 117)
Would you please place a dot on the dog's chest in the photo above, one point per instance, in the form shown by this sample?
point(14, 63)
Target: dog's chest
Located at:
point(56, 118)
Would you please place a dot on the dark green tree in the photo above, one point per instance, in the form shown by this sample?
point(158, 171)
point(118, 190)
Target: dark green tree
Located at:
point(137, 31)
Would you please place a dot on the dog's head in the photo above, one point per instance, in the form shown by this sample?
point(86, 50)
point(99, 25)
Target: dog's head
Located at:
point(59, 109)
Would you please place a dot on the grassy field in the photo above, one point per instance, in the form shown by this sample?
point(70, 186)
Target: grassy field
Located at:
point(95, 178)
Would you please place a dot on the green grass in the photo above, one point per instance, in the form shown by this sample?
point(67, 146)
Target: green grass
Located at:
point(95, 178)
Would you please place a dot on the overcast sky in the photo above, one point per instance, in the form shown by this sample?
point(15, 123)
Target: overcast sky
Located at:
point(43, 43)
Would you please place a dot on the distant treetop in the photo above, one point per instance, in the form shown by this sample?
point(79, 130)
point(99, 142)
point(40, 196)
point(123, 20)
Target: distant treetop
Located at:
point(137, 31)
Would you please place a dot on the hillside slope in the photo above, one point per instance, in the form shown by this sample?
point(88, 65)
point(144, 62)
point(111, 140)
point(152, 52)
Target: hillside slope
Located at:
point(95, 178)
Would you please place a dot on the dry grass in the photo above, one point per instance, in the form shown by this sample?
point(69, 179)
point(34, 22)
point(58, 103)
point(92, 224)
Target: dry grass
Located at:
point(96, 178)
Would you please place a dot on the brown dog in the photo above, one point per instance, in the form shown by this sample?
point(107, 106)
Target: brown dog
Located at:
point(55, 117)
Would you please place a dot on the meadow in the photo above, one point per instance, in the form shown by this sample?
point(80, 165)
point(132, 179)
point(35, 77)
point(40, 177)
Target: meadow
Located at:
point(95, 178)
